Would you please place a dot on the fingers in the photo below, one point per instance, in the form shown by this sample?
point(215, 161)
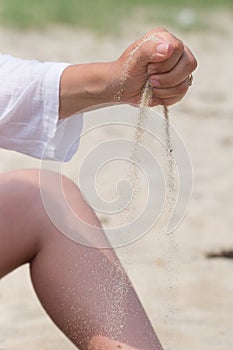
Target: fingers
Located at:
point(151, 49)
point(177, 90)
point(169, 96)
point(171, 86)
point(165, 60)
point(185, 66)
point(176, 49)
point(158, 49)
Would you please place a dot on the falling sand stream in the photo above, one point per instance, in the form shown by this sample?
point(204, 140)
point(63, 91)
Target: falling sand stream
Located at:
point(118, 305)
point(138, 139)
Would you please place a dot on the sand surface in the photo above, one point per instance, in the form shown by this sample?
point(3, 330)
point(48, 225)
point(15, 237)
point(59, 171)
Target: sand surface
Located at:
point(187, 296)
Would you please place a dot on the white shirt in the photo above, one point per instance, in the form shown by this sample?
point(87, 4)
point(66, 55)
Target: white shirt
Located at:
point(29, 106)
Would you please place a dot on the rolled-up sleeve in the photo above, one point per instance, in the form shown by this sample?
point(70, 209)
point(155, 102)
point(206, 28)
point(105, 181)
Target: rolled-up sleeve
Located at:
point(29, 109)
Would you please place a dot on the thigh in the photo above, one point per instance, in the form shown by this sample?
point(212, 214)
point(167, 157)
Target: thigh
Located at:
point(18, 234)
point(25, 226)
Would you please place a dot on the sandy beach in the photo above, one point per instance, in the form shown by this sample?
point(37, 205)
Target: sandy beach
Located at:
point(188, 297)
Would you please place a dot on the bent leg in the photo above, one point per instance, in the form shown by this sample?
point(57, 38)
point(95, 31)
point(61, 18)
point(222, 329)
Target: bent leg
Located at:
point(84, 290)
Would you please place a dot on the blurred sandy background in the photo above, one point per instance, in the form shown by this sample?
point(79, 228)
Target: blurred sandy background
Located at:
point(188, 297)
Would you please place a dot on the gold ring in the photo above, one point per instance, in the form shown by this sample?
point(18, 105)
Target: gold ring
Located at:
point(190, 79)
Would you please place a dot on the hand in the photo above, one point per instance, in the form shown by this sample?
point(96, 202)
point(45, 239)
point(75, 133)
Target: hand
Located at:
point(160, 57)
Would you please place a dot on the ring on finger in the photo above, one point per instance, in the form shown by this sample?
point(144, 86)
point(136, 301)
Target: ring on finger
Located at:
point(190, 78)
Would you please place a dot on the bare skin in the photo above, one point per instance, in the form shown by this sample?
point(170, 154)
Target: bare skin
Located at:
point(168, 66)
point(104, 343)
point(76, 284)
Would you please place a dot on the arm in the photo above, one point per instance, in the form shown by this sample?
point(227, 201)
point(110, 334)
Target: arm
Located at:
point(84, 86)
point(34, 94)
point(158, 56)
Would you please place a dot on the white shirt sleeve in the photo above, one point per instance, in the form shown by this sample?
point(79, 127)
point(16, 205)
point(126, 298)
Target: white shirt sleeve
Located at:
point(29, 106)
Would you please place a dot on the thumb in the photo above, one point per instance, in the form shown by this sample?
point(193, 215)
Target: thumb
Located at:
point(160, 50)
point(153, 50)
point(163, 50)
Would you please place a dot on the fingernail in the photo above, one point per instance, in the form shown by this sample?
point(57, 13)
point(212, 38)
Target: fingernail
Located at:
point(163, 48)
point(154, 82)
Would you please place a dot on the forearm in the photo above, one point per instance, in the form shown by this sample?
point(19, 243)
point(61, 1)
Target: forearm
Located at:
point(84, 86)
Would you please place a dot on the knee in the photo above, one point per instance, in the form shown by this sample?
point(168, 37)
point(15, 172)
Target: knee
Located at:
point(29, 192)
point(41, 195)
point(29, 186)
point(18, 192)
